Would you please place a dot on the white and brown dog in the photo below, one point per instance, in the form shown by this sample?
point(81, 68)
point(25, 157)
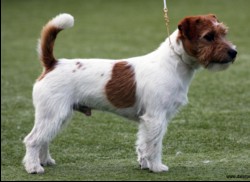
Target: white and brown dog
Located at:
point(149, 88)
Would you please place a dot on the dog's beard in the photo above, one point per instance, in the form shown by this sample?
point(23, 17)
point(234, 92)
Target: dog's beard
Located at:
point(217, 66)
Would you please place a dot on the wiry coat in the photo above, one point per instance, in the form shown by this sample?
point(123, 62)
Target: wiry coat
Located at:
point(148, 89)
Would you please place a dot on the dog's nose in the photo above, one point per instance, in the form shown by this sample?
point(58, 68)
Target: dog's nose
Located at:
point(232, 53)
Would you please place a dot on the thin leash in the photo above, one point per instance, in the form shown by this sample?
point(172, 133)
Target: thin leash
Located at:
point(167, 21)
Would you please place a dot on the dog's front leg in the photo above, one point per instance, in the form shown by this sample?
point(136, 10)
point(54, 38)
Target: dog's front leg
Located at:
point(149, 143)
point(44, 155)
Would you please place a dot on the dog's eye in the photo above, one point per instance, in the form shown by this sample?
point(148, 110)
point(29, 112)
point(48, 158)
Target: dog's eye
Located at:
point(209, 37)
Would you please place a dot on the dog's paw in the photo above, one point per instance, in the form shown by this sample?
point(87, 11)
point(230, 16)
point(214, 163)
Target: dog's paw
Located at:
point(34, 169)
point(143, 163)
point(159, 168)
point(48, 162)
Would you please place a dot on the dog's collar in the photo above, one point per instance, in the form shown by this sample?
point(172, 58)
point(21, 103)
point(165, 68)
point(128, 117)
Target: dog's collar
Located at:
point(184, 57)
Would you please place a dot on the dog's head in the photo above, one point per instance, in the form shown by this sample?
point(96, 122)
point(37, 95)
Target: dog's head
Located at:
point(204, 38)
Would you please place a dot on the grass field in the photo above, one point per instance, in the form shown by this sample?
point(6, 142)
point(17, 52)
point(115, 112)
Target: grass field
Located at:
point(208, 140)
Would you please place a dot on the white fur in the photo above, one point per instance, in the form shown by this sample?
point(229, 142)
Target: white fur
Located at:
point(63, 21)
point(162, 82)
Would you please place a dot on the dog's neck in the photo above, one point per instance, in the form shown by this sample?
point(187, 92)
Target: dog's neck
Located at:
point(176, 47)
point(184, 64)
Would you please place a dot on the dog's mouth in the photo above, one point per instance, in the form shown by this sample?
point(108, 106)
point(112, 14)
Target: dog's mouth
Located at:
point(222, 62)
point(219, 65)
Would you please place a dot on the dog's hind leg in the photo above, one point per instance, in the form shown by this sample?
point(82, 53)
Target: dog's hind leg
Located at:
point(47, 125)
point(149, 143)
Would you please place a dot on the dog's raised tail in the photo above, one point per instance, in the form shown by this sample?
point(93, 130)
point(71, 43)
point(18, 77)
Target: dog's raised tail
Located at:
point(48, 36)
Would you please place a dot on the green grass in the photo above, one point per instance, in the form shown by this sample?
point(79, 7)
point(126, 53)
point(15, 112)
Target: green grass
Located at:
point(208, 140)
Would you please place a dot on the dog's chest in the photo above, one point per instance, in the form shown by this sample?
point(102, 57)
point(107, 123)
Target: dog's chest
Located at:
point(176, 90)
point(182, 87)
point(180, 96)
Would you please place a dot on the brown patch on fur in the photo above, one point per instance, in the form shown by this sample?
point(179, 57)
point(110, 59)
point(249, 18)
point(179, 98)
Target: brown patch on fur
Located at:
point(121, 88)
point(203, 37)
point(44, 73)
point(48, 36)
point(79, 65)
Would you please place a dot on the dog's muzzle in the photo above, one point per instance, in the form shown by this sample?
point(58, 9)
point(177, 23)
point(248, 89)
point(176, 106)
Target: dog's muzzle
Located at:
point(231, 54)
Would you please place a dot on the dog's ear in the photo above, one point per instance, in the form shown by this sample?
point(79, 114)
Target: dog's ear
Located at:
point(184, 28)
point(214, 17)
point(188, 27)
